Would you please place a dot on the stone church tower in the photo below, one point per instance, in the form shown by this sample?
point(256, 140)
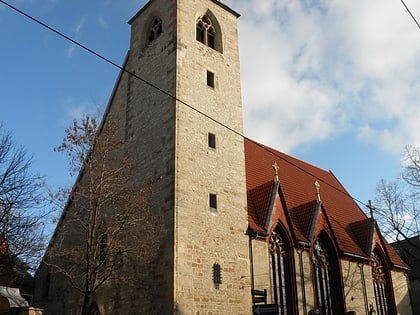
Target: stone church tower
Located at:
point(187, 133)
point(241, 228)
point(179, 105)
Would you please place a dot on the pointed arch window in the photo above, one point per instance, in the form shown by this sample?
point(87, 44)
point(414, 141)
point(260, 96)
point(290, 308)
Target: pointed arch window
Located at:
point(281, 271)
point(155, 30)
point(208, 33)
point(328, 291)
point(381, 285)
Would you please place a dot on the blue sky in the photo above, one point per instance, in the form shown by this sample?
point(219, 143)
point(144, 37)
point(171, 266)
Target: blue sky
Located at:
point(335, 83)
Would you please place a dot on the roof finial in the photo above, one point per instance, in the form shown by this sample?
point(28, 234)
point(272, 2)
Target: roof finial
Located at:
point(276, 171)
point(317, 187)
point(371, 208)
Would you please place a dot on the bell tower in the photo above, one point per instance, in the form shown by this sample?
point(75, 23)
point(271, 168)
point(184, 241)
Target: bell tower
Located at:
point(183, 127)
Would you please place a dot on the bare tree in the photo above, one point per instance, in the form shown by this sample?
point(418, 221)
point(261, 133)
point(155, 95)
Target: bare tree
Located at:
point(21, 211)
point(97, 230)
point(398, 205)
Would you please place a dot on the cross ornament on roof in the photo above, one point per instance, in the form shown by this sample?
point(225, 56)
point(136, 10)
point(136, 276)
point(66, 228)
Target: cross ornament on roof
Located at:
point(371, 208)
point(276, 171)
point(317, 188)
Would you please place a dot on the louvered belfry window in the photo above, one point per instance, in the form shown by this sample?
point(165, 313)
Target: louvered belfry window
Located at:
point(205, 31)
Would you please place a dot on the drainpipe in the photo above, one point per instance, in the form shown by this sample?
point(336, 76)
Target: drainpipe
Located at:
point(251, 265)
point(362, 275)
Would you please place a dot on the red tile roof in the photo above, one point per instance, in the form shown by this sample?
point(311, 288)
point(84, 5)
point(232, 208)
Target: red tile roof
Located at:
point(298, 194)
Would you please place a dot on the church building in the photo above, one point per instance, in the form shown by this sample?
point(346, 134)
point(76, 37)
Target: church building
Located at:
point(243, 228)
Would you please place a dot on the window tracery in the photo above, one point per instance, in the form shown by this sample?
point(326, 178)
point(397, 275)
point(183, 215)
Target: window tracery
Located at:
point(320, 259)
point(380, 284)
point(327, 277)
point(206, 31)
point(280, 269)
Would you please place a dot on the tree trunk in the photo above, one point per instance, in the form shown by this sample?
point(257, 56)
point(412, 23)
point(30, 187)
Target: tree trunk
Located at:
point(87, 302)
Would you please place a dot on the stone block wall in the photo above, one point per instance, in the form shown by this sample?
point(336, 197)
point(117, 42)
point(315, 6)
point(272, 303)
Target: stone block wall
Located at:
point(204, 235)
point(401, 293)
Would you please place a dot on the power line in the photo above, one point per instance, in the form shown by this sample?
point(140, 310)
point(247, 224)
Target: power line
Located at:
point(409, 12)
point(107, 60)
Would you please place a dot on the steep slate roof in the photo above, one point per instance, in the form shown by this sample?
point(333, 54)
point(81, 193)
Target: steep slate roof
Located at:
point(298, 195)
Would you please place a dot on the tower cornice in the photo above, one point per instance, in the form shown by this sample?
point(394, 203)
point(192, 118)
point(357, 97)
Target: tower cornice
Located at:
point(224, 6)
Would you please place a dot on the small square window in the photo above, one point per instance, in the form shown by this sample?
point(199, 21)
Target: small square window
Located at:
point(210, 79)
point(213, 201)
point(212, 140)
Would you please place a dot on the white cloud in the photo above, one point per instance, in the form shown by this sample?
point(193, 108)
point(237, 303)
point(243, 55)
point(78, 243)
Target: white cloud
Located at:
point(76, 113)
point(102, 22)
point(77, 109)
point(313, 69)
point(77, 33)
point(79, 26)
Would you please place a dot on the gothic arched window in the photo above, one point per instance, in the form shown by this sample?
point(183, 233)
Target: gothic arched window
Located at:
point(329, 299)
point(281, 271)
point(207, 32)
point(381, 285)
point(155, 30)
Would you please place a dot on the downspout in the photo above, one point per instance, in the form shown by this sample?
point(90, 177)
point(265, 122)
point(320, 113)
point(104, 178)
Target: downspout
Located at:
point(251, 265)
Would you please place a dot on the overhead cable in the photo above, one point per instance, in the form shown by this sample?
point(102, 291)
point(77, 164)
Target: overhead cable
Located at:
point(411, 14)
point(107, 60)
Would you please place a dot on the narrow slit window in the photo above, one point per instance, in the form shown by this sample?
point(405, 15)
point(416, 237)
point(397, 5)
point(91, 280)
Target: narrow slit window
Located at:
point(212, 140)
point(210, 79)
point(217, 275)
point(213, 201)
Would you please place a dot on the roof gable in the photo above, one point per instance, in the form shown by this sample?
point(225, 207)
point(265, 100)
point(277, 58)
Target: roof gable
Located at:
point(258, 205)
point(299, 196)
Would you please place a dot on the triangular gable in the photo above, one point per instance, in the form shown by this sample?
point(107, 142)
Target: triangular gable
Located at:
point(259, 204)
point(303, 218)
point(364, 232)
point(369, 237)
point(271, 207)
point(277, 214)
point(320, 224)
point(265, 209)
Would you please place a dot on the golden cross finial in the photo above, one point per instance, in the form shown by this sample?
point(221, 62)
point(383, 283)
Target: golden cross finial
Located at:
point(317, 188)
point(276, 171)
